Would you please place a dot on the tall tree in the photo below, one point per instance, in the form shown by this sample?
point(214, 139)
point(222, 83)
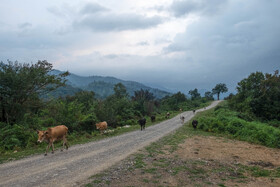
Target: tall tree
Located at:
point(219, 88)
point(143, 95)
point(143, 101)
point(194, 94)
point(22, 84)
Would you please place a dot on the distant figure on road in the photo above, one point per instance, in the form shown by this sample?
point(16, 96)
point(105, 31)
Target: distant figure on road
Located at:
point(194, 111)
point(182, 119)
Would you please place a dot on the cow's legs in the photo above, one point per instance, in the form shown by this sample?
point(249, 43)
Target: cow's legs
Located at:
point(52, 148)
point(48, 147)
point(65, 143)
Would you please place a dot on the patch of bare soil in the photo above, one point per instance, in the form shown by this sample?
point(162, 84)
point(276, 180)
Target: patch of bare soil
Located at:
point(199, 161)
point(229, 151)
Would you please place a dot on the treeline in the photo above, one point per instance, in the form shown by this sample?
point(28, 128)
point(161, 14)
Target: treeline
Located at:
point(24, 107)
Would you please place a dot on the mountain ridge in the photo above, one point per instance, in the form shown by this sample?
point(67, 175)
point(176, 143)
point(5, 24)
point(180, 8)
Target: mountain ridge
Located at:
point(103, 86)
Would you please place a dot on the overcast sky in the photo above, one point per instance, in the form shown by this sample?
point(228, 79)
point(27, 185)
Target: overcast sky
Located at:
point(175, 44)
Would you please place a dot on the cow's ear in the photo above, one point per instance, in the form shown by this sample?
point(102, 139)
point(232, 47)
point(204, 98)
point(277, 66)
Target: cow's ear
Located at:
point(37, 131)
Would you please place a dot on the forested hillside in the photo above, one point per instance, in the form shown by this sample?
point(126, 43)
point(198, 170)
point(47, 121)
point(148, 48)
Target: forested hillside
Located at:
point(101, 86)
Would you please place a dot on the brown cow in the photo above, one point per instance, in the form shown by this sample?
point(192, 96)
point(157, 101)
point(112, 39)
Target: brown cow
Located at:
point(53, 134)
point(102, 126)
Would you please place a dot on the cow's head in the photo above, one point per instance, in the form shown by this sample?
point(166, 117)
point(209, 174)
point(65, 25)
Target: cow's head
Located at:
point(97, 126)
point(42, 135)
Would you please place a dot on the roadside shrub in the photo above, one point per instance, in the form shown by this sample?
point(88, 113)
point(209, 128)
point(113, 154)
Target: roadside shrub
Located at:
point(13, 136)
point(224, 121)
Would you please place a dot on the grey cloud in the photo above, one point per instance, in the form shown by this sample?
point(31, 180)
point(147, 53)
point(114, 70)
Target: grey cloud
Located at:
point(92, 8)
point(185, 7)
point(116, 22)
point(111, 56)
point(232, 45)
point(55, 11)
point(25, 25)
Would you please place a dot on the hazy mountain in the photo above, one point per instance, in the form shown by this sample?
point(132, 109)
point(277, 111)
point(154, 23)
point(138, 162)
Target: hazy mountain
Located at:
point(103, 86)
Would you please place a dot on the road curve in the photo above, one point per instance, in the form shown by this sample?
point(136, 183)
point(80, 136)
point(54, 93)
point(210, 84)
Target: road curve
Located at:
point(70, 168)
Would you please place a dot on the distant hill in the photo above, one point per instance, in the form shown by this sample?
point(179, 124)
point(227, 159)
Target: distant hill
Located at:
point(102, 86)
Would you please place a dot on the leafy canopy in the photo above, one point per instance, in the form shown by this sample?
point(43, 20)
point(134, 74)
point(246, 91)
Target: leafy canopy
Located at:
point(219, 88)
point(21, 85)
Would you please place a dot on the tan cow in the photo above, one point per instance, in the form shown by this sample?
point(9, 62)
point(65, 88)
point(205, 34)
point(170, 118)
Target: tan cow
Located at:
point(53, 134)
point(101, 126)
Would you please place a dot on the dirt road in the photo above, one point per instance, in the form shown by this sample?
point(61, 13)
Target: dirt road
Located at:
point(71, 167)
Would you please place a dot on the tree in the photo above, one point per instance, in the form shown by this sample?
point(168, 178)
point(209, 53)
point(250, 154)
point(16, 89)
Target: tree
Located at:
point(208, 95)
point(251, 86)
point(21, 86)
point(143, 95)
point(194, 94)
point(173, 102)
point(268, 103)
point(144, 101)
point(219, 88)
point(259, 95)
point(120, 90)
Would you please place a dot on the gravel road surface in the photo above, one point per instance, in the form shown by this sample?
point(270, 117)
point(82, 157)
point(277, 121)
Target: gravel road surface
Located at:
point(79, 162)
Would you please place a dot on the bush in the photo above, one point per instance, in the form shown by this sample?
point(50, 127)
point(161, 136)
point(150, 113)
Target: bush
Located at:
point(13, 136)
point(224, 121)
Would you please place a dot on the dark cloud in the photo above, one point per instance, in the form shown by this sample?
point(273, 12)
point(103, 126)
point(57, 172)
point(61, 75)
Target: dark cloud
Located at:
point(185, 7)
point(117, 22)
point(230, 46)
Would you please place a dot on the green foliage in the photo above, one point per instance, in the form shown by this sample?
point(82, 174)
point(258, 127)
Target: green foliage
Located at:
point(120, 91)
point(194, 94)
point(173, 102)
point(21, 85)
point(258, 95)
point(225, 121)
point(14, 136)
point(208, 95)
point(144, 102)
